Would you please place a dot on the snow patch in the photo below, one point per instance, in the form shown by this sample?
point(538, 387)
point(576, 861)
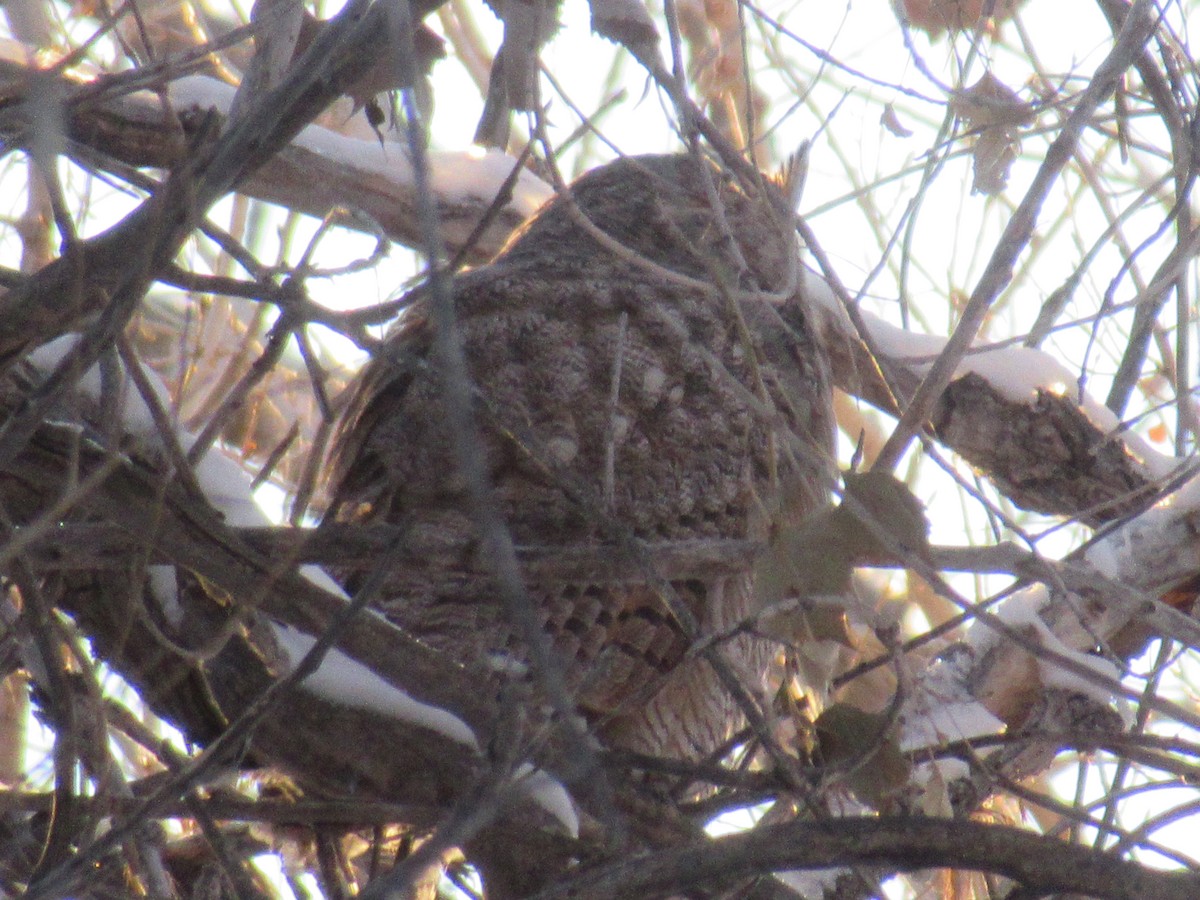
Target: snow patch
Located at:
point(1054, 676)
point(1021, 610)
point(1121, 551)
point(131, 408)
point(944, 711)
point(469, 176)
point(942, 723)
point(341, 679)
point(227, 485)
point(816, 290)
point(222, 478)
point(548, 792)
point(1017, 373)
point(1184, 499)
point(164, 587)
point(910, 347)
point(477, 175)
point(1103, 557)
point(812, 884)
point(322, 579)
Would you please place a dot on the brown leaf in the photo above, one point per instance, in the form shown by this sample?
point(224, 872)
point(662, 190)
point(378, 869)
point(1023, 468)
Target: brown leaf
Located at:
point(884, 501)
point(848, 737)
point(817, 556)
point(388, 73)
point(936, 16)
point(624, 21)
point(809, 558)
point(990, 102)
point(889, 120)
point(997, 114)
point(804, 623)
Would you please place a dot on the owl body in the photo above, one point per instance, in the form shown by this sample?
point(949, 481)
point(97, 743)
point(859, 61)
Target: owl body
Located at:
point(618, 386)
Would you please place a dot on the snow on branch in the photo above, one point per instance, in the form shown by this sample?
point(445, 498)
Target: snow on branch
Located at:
point(227, 485)
point(360, 182)
point(374, 177)
point(1111, 589)
point(1018, 415)
point(338, 678)
point(906, 843)
point(1014, 412)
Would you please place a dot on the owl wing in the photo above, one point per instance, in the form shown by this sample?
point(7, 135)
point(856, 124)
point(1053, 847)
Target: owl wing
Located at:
point(671, 453)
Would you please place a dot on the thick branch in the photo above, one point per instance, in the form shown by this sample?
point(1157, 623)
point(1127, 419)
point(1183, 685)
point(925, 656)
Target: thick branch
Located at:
point(90, 547)
point(191, 536)
point(1043, 449)
point(363, 186)
point(1042, 865)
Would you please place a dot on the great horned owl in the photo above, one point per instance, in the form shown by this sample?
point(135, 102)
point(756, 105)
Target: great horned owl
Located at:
point(622, 341)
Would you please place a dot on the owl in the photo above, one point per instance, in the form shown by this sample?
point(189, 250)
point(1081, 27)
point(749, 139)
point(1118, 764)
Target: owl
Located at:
point(629, 375)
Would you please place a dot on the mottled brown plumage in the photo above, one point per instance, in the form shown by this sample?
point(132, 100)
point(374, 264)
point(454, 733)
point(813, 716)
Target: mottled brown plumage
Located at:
point(637, 357)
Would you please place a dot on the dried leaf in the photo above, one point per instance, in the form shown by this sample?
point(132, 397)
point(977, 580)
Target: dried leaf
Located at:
point(817, 663)
point(937, 16)
point(885, 502)
point(624, 21)
point(512, 84)
point(722, 15)
point(805, 559)
point(997, 114)
point(889, 120)
point(989, 102)
point(527, 27)
point(935, 794)
point(817, 556)
point(857, 740)
point(389, 73)
point(804, 623)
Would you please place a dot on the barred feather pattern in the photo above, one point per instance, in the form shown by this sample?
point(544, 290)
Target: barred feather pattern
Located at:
point(627, 352)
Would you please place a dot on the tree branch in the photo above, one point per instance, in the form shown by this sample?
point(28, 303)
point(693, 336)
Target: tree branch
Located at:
point(1042, 865)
